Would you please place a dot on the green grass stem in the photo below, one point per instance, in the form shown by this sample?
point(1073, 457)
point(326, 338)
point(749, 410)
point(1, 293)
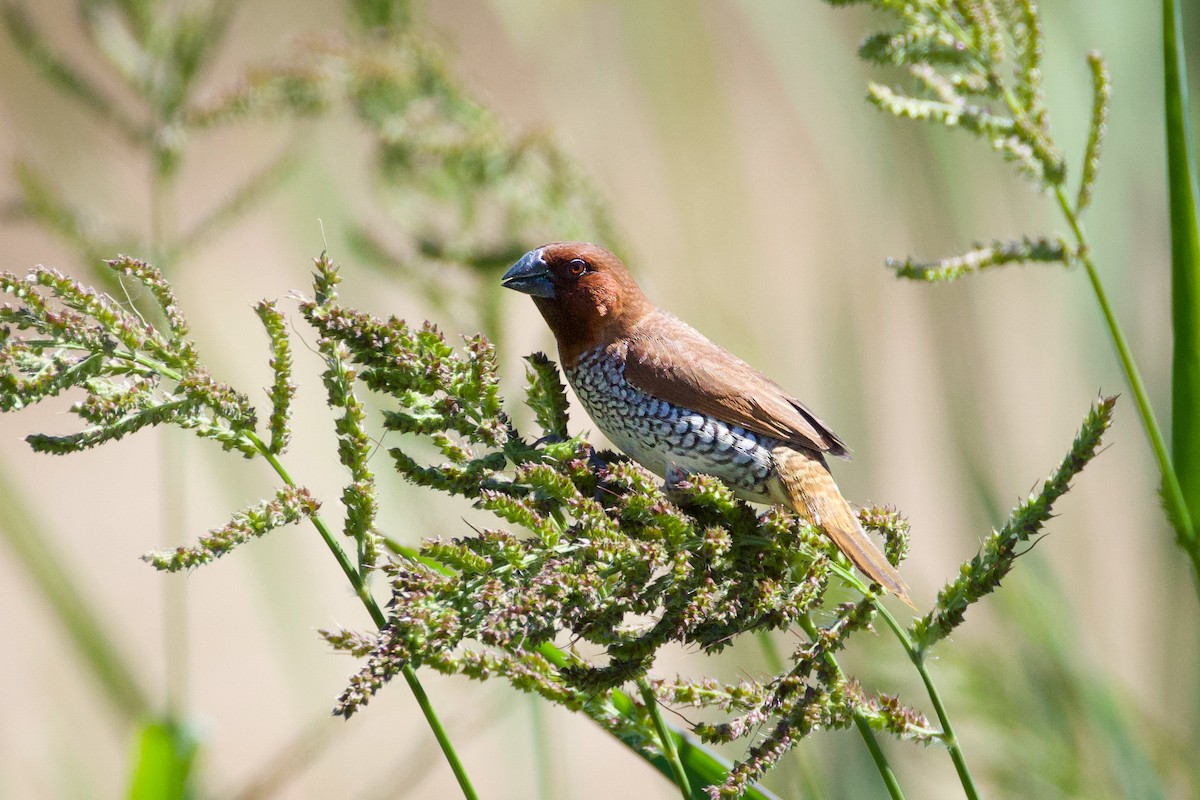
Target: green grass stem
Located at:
point(949, 739)
point(368, 600)
point(1172, 492)
point(860, 723)
point(917, 657)
point(665, 740)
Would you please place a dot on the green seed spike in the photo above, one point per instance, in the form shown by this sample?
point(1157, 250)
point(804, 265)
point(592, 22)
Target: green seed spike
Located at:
point(1101, 93)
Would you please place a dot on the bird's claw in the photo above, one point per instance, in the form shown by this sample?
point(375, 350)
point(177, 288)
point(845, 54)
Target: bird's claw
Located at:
point(603, 459)
point(550, 438)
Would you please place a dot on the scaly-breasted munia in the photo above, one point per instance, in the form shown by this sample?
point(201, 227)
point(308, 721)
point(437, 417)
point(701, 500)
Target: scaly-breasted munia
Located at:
point(678, 403)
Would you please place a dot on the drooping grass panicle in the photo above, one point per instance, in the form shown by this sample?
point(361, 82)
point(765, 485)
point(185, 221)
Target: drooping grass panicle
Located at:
point(40, 52)
point(1008, 108)
point(283, 389)
point(289, 505)
point(981, 257)
point(1101, 95)
point(983, 573)
point(976, 65)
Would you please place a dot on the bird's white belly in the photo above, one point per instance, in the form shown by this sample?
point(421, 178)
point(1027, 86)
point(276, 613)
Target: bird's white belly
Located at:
point(659, 435)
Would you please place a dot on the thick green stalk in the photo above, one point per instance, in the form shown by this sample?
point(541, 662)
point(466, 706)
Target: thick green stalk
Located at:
point(917, 657)
point(949, 739)
point(1185, 268)
point(861, 723)
point(1172, 492)
point(877, 755)
point(665, 740)
point(368, 601)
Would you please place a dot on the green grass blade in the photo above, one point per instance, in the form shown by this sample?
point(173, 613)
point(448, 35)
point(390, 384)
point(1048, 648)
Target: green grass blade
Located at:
point(165, 754)
point(1185, 266)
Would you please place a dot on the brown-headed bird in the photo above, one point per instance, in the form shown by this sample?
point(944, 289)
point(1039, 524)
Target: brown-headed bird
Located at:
point(677, 403)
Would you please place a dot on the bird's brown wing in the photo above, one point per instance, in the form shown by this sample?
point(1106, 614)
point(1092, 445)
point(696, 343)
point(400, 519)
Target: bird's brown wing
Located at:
point(668, 359)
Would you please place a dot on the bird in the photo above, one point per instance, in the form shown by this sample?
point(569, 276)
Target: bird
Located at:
point(677, 403)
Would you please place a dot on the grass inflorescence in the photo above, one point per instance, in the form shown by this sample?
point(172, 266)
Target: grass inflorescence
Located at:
point(594, 568)
point(976, 65)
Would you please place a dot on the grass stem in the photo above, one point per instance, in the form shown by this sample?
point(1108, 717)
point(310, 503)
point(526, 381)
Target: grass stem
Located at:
point(368, 600)
point(1172, 492)
point(860, 722)
point(949, 739)
point(665, 740)
point(809, 781)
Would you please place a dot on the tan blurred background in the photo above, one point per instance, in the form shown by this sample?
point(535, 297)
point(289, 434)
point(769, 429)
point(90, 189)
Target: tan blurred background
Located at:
point(758, 195)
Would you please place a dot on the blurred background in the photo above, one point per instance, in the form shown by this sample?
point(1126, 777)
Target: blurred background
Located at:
point(725, 149)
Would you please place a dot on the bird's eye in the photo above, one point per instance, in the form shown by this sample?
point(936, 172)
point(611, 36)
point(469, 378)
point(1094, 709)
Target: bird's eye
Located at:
point(577, 267)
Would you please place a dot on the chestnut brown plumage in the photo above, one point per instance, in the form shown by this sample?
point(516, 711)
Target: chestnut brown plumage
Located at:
point(678, 403)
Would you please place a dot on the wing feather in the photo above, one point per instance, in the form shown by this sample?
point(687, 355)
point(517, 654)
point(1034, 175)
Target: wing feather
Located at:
point(670, 360)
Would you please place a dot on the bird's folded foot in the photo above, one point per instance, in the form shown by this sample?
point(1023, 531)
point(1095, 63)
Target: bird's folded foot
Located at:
point(603, 459)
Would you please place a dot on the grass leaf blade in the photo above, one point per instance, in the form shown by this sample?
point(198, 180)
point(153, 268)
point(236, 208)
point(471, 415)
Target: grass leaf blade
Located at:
point(1185, 266)
point(165, 754)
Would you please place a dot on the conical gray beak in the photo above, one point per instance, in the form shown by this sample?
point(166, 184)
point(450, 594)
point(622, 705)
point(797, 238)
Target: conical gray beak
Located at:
point(530, 275)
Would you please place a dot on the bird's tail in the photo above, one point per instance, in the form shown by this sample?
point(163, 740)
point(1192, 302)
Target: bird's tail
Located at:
point(814, 496)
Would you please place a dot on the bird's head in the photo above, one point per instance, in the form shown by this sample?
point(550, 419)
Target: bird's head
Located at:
point(585, 293)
